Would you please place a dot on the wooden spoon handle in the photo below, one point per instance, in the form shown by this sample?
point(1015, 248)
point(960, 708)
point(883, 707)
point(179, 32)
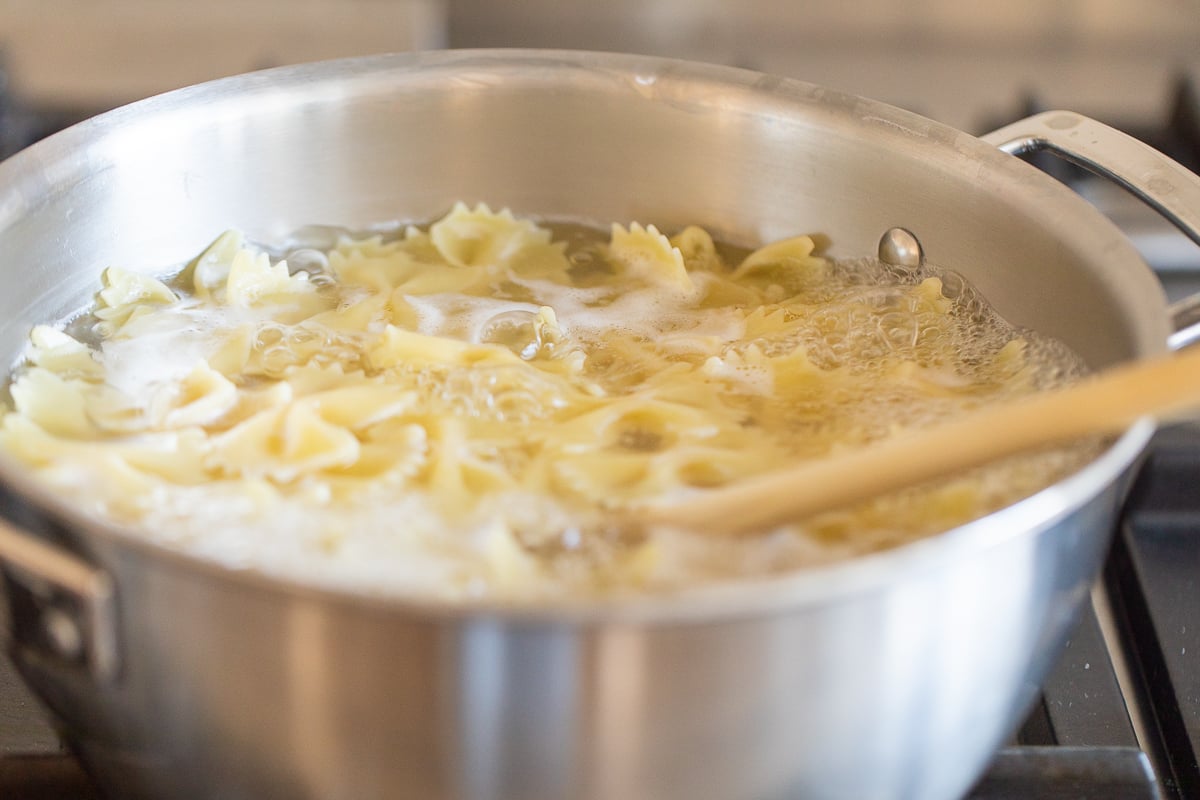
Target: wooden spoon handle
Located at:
point(1107, 402)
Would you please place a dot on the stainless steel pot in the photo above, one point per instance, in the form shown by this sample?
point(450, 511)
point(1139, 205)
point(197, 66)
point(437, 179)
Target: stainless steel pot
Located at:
point(896, 675)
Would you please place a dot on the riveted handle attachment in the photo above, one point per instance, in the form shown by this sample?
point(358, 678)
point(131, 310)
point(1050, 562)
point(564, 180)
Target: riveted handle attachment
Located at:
point(58, 605)
point(1161, 183)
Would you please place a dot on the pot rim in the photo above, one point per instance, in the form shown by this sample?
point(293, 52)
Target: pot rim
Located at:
point(804, 587)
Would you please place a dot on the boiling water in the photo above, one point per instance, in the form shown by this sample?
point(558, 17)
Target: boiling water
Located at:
point(494, 464)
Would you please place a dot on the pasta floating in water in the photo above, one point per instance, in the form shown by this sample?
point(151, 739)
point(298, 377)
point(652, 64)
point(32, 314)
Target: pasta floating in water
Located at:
point(455, 410)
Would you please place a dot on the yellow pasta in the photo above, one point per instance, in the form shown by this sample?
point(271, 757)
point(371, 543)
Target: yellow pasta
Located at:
point(456, 409)
point(647, 254)
point(61, 354)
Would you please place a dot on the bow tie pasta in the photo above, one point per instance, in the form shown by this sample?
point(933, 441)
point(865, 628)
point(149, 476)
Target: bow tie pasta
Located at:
point(455, 410)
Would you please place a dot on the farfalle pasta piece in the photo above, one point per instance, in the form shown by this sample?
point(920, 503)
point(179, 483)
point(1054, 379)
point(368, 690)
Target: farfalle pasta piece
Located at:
point(124, 288)
point(647, 254)
point(928, 296)
point(1012, 370)
point(370, 314)
point(747, 371)
point(509, 566)
point(313, 378)
point(210, 270)
point(1006, 373)
point(174, 456)
point(694, 344)
point(382, 466)
point(620, 364)
point(114, 411)
point(718, 291)
point(794, 375)
point(127, 294)
point(456, 471)
point(398, 347)
point(479, 237)
point(787, 263)
point(368, 248)
point(418, 245)
point(359, 407)
point(638, 424)
point(200, 398)
point(122, 494)
point(697, 249)
point(795, 249)
point(24, 439)
point(444, 280)
point(604, 478)
point(704, 466)
point(609, 477)
point(60, 353)
point(541, 261)
point(768, 322)
point(252, 279)
point(930, 381)
point(57, 405)
point(281, 444)
point(275, 395)
point(372, 263)
point(232, 349)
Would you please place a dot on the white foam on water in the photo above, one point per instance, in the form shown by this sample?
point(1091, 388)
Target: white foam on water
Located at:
point(858, 325)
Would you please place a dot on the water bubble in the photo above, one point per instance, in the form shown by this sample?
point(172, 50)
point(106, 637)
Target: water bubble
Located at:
point(268, 336)
point(953, 285)
point(899, 330)
point(275, 360)
point(517, 330)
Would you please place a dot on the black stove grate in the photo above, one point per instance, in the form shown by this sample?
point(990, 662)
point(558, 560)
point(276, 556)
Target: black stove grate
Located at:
point(1154, 580)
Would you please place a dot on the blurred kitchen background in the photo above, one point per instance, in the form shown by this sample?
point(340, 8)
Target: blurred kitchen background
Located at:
point(962, 63)
point(1131, 63)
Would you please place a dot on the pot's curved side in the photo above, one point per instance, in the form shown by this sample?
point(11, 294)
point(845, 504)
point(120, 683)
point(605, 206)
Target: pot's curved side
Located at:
point(904, 692)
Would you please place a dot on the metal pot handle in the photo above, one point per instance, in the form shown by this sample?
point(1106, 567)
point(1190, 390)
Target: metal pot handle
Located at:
point(1156, 180)
point(59, 607)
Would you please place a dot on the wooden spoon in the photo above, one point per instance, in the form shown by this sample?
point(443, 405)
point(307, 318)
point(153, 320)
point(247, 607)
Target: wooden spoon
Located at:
point(1107, 402)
